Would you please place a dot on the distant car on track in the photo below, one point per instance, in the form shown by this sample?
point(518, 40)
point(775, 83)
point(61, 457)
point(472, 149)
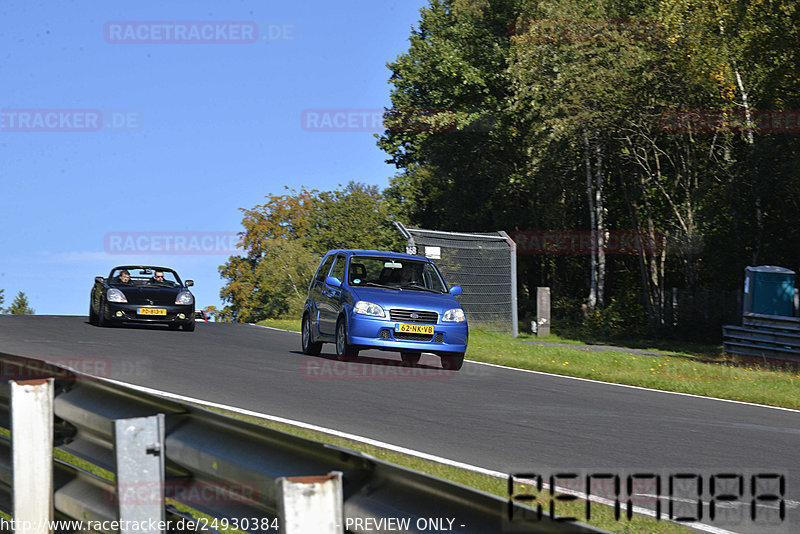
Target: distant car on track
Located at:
point(142, 294)
point(200, 316)
point(368, 299)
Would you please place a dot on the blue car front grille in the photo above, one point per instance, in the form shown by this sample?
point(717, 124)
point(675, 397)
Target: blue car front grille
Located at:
point(406, 336)
point(414, 316)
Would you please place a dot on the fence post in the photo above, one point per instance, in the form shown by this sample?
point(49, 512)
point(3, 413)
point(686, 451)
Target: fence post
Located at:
point(32, 454)
point(512, 246)
point(311, 504)
point(139, 457)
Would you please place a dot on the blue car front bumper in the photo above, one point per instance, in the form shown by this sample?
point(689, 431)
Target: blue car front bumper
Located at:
point(375, 333)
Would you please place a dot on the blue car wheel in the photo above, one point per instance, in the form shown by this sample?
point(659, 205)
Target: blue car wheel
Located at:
point(312, 349)
point(452, 361)
point(344, 350)
point(410, 358)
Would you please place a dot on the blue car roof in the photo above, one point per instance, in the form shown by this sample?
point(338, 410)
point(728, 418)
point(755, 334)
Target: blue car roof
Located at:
point(360, 252)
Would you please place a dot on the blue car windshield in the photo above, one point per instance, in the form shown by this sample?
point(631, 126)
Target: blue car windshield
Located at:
point(395, 273)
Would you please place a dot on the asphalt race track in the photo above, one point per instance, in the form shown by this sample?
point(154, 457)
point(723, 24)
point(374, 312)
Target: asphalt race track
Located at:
point(494, 418)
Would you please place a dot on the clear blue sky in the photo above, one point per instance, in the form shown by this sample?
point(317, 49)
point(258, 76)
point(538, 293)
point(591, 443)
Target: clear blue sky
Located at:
point(186, 133)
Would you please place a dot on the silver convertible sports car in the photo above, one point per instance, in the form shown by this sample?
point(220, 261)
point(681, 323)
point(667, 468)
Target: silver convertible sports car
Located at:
point(142, 294)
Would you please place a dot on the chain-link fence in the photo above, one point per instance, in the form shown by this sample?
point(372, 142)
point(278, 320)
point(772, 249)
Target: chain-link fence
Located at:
point(483, 264)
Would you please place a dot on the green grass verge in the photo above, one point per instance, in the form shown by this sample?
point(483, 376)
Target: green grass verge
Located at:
point(284, 324)
point(686, 349)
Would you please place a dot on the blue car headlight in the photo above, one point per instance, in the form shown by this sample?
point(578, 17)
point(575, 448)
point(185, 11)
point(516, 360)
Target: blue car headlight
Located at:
point(456, 315)
point(368, 308)
point(184, 297)
point(115, 295)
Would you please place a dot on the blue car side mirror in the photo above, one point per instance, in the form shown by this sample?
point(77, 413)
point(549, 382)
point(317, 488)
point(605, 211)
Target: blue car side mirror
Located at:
point(455, 291)
point(333, 281)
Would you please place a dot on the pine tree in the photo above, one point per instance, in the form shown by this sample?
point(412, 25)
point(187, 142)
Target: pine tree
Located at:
point(20, 305)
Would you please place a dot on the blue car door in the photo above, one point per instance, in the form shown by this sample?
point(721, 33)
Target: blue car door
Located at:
point(330, 302)
point(317, 289)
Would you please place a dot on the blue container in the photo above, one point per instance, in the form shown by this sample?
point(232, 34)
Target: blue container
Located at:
point(769, 290)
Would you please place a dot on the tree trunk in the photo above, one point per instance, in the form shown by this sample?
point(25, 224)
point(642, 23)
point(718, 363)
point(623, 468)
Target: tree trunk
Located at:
point(602, 237)
point(587, 158)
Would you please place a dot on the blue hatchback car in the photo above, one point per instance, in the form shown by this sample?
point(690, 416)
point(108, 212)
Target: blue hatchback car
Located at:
point(368, 299)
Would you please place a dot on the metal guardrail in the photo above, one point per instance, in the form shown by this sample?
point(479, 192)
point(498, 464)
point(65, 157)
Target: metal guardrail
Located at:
point(247, 469)
point(772, 337)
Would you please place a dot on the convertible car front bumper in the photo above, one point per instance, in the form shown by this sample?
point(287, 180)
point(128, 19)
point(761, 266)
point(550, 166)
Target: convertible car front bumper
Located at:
point(132, 313)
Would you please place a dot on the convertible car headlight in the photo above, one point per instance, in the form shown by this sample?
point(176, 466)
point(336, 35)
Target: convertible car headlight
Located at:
point(184, 297)
point(115, 295)
point(456, 315)
point(368, 308)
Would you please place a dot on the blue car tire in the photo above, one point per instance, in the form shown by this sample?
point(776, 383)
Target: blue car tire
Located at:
point(452, 361)
point(312, 349)
point(344, 350)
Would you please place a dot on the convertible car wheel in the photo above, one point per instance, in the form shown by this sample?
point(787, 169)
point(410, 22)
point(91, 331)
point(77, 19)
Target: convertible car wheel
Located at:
point(312, 349)
point(92, 315)
point(101, 315)
point(344, 350)
point(188, 327)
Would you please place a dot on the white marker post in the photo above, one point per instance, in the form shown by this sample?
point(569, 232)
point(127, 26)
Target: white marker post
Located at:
point(312, 504)
point(32, 454)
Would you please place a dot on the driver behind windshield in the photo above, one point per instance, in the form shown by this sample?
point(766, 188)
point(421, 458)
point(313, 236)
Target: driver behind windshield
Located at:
point(158, 277)
point(410, 274)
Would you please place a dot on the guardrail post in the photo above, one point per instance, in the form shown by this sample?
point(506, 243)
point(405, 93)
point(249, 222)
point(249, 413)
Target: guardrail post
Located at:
point(139, 455)
point(311, 505)
point(32, 454)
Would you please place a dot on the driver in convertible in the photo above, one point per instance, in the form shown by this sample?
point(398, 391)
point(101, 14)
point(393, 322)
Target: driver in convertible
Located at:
point(124, 277)
point(158, 277)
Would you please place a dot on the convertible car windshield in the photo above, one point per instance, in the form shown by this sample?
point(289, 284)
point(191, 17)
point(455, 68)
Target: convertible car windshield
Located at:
point(146, 276)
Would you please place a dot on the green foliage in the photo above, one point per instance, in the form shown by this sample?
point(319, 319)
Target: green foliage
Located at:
point(284, 239)
point(498, 105)
point(20, 305)
point(459, 163)
point(623, 316)
point(354, 217)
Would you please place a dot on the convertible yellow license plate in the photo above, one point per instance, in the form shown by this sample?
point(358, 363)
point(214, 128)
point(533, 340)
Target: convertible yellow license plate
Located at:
point(415, 328)
point(151, 311)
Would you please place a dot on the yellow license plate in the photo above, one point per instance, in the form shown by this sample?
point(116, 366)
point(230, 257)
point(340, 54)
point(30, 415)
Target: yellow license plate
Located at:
point(415, 328)
point(151, 311)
